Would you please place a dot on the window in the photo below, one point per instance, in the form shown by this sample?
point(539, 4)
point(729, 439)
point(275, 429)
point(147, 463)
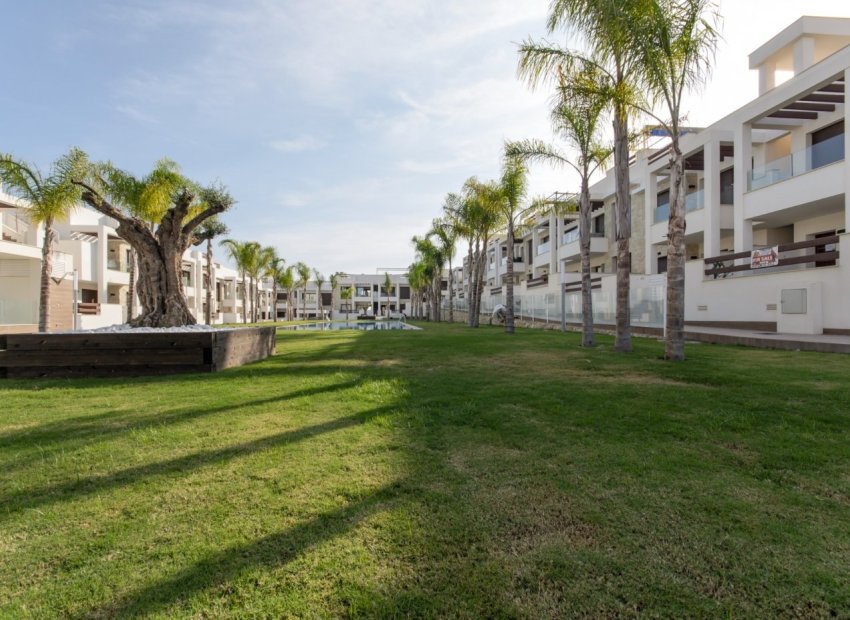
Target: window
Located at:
point(662, 264)
point(727, 187)
point(828, 145)
point(598, 225)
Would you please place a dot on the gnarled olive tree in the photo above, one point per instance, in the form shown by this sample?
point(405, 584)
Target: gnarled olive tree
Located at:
point(157, 215)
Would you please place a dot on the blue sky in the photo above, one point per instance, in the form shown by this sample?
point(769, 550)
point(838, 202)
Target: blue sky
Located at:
point(339, 126)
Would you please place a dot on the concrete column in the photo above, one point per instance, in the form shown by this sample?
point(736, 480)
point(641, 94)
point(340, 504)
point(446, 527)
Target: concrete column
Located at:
point(553, 243)
point(743, 168)
point(102, 256)
point(846, 151)
point(767, 77)
point(651, 203)
point(804, 54)
point(711, 197)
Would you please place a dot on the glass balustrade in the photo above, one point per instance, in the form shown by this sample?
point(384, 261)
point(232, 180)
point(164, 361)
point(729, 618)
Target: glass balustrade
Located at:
point(816, 156)
point(542, 248)
point(693, 202)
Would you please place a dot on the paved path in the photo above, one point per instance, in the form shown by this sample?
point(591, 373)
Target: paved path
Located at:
point(825, 343)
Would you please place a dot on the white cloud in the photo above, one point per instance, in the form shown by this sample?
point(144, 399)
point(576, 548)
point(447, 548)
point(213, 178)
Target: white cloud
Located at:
point(299, 144)
point(136, 114)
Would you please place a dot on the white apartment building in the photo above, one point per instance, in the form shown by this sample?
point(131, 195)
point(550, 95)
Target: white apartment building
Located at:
point(767, 209)
point(89, 248)
point(368, 298)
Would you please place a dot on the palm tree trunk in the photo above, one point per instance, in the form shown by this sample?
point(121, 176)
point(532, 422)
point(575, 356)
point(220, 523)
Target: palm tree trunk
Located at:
point(46, 270)
point(469, 276)
point(451, 292)
point(623, 341)
point(131, 301)
point(584, 244)
point(244, 300)
point(274, 301)
point(208, 313)
point(304, 303)
point(675, 325)
point(510, 328)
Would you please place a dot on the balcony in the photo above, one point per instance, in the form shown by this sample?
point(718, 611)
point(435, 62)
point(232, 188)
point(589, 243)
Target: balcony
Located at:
point(543, 248)
point(821, 252)
point(795, 164)
point(13, 227)
point(693, 202)
point(572, 250)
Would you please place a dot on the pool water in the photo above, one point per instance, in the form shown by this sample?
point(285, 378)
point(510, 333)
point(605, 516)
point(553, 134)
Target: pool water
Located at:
point(362, 325)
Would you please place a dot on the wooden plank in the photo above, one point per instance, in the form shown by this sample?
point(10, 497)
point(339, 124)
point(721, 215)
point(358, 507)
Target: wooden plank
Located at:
point(72, 372)
point(727, 257)
point(794, 260)
point(111, 357)
point(823, 98)
point(809, 116)
point(77, 342)
point(809, 243)
point(811, 107)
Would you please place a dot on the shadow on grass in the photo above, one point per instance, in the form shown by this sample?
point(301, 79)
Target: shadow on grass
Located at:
point(268, 552)
point(103, 425)
point(72, 490)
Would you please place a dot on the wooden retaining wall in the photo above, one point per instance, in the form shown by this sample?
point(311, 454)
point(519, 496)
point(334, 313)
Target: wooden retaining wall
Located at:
point(131, 354)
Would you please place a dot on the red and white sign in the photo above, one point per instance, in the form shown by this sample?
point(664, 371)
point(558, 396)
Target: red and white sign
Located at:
point(765, 257)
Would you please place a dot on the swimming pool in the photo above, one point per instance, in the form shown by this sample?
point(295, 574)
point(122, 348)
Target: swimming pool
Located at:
point(362, 325)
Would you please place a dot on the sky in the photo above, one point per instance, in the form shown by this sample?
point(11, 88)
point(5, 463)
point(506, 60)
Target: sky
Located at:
point(338, 125)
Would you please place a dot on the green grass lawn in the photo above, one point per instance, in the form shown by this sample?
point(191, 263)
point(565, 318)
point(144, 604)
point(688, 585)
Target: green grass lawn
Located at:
point(439, 473)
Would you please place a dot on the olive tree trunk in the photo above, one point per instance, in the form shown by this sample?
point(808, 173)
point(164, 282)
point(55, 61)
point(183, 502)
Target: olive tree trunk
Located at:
point(160, 256)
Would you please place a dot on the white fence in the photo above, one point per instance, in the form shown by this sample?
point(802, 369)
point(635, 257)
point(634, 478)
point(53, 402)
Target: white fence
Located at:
point(647, 306)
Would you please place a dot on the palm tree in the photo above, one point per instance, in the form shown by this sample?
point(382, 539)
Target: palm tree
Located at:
point(244, 254)
point(320, 280)
point(207, 231)
point(446, 232)
point(260, 264)
point(49, 199)
point(606, 27)
point(576, 118)
point(676, 41)
point(513, 186)
point(388, 286)
point(416, 280)
point(432, 260)
point(484, 218)
point(286, 281)
point(273, 270)
point(347, 294)
point(303, 272)
point(334, 282)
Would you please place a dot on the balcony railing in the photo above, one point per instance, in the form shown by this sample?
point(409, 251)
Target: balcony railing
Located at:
point(693, 202)
point(571, 236)
point(816, 156)
point(117, 265)
point(825, 252)
point(543, 248)
point(14, 228)
point(534, 282)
